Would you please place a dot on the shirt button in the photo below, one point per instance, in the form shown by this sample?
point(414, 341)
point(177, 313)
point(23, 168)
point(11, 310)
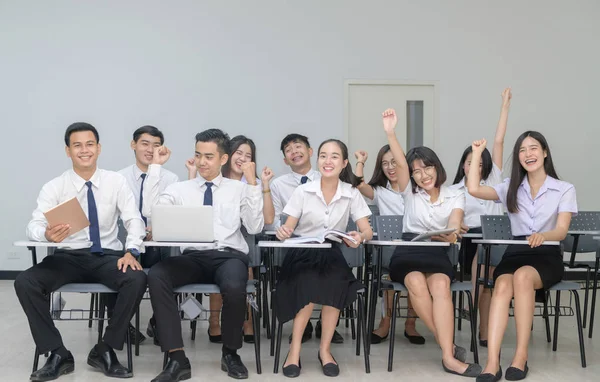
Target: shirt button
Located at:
point(325, 227)
point(327, 212)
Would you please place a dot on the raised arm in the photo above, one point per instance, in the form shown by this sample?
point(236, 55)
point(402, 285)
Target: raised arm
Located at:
point(474, 177)
point(268, 208)
point(389, 124)
point(498, 150)
point(363, 187)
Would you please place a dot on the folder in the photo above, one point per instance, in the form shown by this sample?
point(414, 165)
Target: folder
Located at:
point(69, 212)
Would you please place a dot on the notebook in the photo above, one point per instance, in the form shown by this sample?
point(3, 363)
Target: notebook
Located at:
point(69, 212)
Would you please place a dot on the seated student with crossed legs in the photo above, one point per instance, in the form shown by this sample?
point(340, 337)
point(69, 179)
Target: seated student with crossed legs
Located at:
point(104, 197)
point(540, 208)
point(234, 203)
point(427, 271)
point(320, 276)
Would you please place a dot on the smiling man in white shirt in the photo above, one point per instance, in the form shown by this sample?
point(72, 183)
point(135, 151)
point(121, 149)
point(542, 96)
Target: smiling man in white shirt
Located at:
point(104, 196)
point(234, 203)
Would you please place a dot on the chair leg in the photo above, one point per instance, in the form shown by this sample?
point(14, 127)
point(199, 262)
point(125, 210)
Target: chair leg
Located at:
point(547, 317)
point(165, 359)
point(557, 315)
point(129, 352)
point(97, 305)
point(101, 317)
point(352, 321)
point(193, 327)
point(393, 331)
point(273, 321)
point(90, 320)
point(473, 329)
point(362, 330)
point(36, 359)
point(137, 330)
point(347, 314)
point(256, 325)
point(278, 348)
point(586, 297)
point(579, 328)
point(593, 308)
point(266, 310)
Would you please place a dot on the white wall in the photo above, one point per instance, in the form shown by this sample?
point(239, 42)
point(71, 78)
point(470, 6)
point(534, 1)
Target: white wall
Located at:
point(267, 68)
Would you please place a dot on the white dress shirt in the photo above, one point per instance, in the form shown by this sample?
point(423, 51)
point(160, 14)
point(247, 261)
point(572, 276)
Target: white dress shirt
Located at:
point(234, 203)
point(113, 199)
point(420, 215)
point(387, 200)
point(316, 216)
point(474, 207)
point(133, 174)
point(282, 189)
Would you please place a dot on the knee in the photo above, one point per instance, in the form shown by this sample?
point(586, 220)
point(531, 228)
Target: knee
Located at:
point(415, 283)
point(156, 276)
point(523, 278)
point(138, 279)
point(24, 283)
point(503, 288)
point(232, 287)
point(439, 287)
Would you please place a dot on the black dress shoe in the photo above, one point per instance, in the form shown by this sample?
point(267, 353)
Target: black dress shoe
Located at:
point(214, 339)
point(55, 367)
point(174, 371)
point(488, 377)
point(416, 340)
point(152, 332)
point(232, 364)
point(292, 371)
point(249, 338)
point(336, 339)
point(132, 331)
point(331, 369)
point(108, 363)
point(376, 339)
point(514, 374)
point(307, 335)
point(473, 370)
point(482, 343)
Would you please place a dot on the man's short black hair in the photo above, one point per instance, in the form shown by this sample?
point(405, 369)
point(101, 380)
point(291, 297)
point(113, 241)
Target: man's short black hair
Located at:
point(151, 130)
point(77, 127)
point(293, 138)
point(217, 136)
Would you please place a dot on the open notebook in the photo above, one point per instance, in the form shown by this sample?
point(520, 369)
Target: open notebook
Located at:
point(331, 234)
point(429, 234)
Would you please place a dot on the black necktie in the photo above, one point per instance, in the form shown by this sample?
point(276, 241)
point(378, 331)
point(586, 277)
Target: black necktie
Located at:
point(304, 179)
point(208, 194)
point(93, 218)
point(142, 199)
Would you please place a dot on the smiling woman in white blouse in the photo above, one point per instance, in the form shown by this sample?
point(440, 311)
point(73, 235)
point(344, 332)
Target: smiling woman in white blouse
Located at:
point(320, 276)
point(427, 271)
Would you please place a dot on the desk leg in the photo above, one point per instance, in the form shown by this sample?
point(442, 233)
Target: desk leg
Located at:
point(593, 308)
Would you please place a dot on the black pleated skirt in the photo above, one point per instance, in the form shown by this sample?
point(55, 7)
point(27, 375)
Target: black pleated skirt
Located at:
point(318, 275)
point(419, 259)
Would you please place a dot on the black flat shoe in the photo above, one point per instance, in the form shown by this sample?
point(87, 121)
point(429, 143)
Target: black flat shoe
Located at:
point(108, 363)
point(336, 339)
point(214, 339)
point(232, 364)
point(307, 335)
point(482, 343)
point(376, 339)
point(460, 353)
point(292, 371)
point(514, 374)
point(472, 371)
point(331, 369)
point(416, 340)
point(174, 372)
point(487, 377)
point(249, 338)
point(55, 367)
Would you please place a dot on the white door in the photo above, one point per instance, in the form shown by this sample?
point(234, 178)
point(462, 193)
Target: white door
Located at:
point(365, 101)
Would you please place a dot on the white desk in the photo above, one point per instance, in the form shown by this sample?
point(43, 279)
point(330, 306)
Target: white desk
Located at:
point(472, 235)
point(583, 232)
point(400, 243)
point(32, 245)
point(201, 245)
point(281, 244)
point(512, 242)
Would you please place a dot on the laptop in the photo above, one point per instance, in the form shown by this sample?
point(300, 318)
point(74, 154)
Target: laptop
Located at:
point(183, 224)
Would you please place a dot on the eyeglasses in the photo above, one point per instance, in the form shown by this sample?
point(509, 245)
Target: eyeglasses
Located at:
point(418, 174)
point(391, 164)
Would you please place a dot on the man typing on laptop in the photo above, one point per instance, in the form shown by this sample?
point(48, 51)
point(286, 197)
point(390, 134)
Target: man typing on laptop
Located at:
point(233, 203)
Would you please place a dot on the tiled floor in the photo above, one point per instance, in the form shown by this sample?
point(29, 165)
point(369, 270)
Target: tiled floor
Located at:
point(412, 363)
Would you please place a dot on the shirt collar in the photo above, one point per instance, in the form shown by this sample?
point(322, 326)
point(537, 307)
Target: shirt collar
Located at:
point(79, 182)
point(216, 181)
point(137, 172)
point(550, 183)
point(445, 193)
point(343, 190)
point(310, 174)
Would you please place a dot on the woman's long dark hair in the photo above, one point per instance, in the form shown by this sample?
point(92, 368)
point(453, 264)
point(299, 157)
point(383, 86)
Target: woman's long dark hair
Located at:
point(517, 173)
point(235, 144)
point(346, 175)
point(379, 179)
point(429, 158)
point(486, 165)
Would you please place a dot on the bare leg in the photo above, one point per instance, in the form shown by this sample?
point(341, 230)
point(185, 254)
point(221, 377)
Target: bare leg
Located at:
point(329, 319)
point(248, 328)
point(411, 321)
point(384, 325)
point(503, 294)
point(418, 291)
point(300, 322)
point(525, 281)
point(214, 320)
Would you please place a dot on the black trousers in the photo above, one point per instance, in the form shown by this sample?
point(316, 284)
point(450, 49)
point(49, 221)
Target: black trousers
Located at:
point(34, 286)
point(227, 269)
point(152, 256)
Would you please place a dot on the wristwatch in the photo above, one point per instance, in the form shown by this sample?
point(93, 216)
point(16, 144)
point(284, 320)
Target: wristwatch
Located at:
point(134, 252)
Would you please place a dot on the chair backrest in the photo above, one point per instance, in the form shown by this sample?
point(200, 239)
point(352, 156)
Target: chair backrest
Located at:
point(583, 221)
point(355, 257)
point(495, 227)
point(389, 227)
point(374, 213)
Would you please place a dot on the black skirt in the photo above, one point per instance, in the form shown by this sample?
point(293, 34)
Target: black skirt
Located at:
point(320, 276)
point(419, 259)
point(546, 259)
